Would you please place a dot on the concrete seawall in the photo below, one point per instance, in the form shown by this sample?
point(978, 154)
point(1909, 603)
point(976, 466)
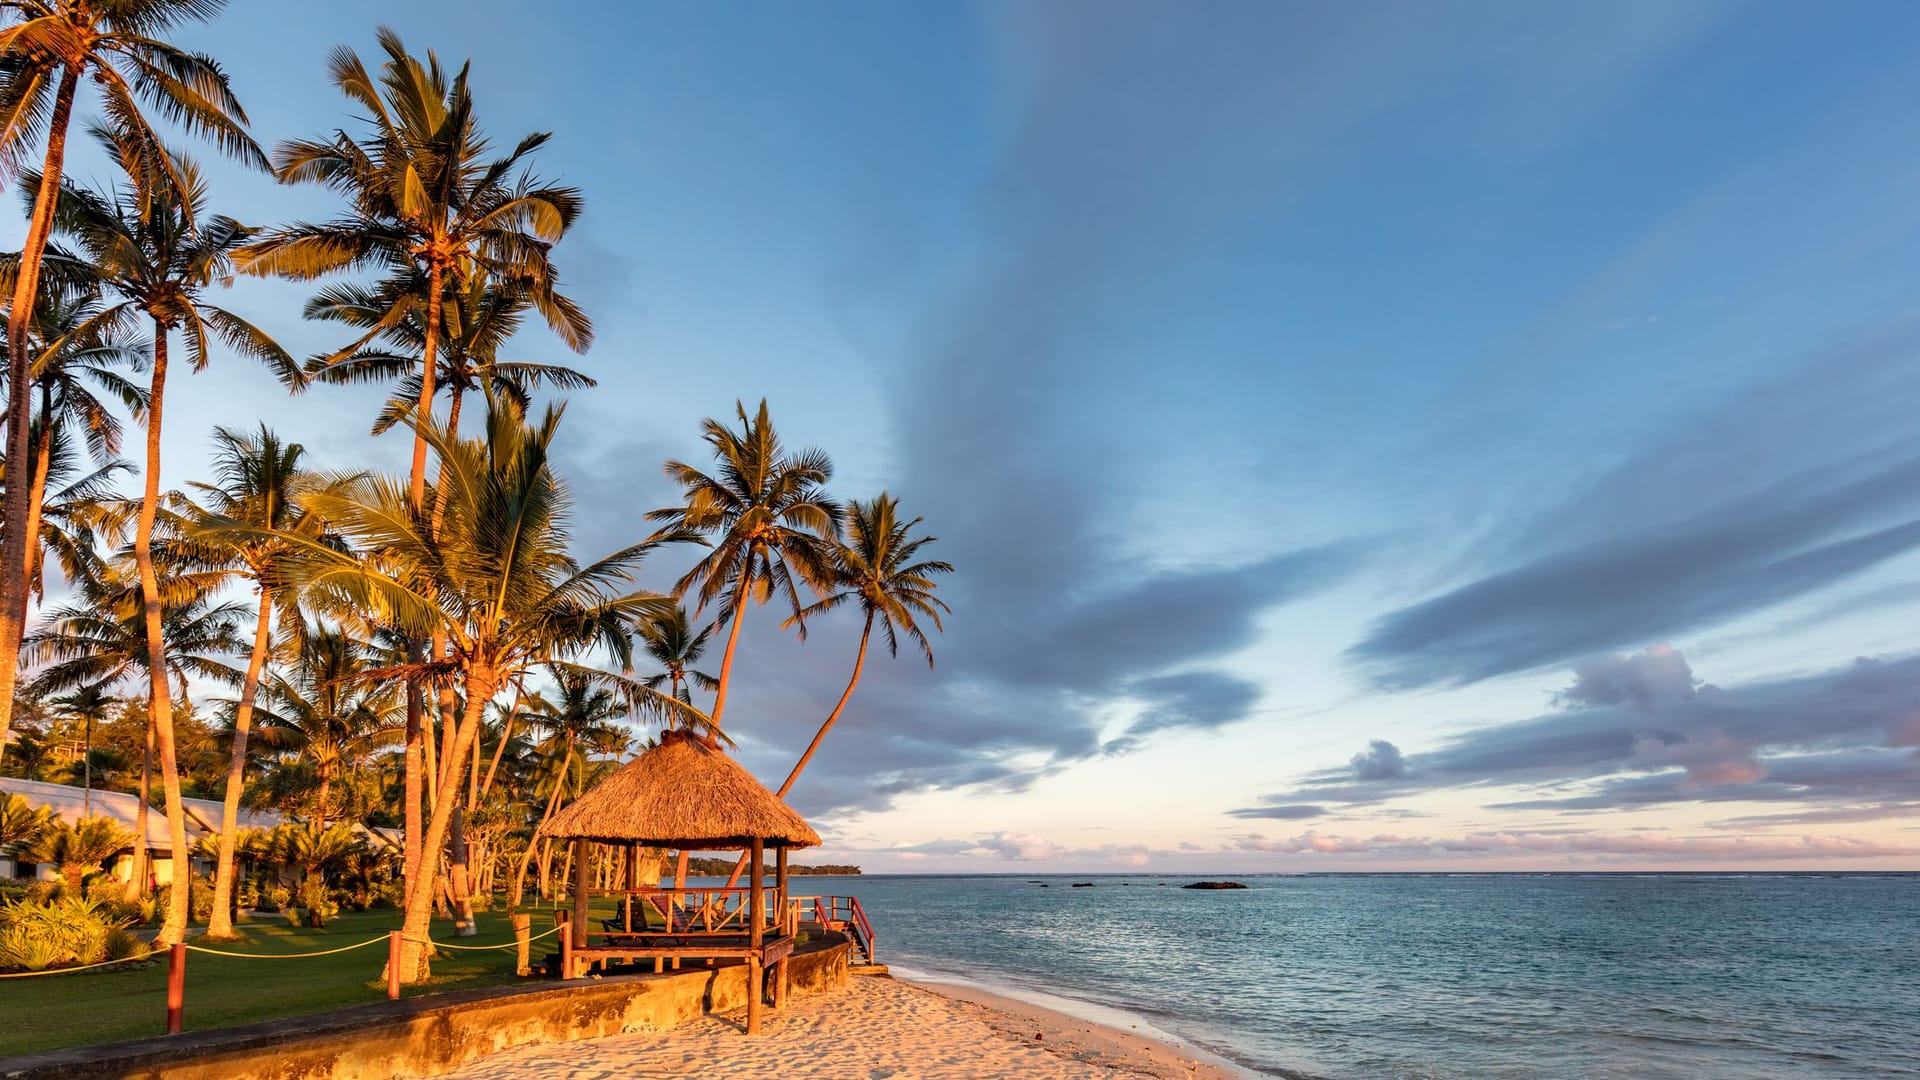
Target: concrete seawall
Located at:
point(431, 1035)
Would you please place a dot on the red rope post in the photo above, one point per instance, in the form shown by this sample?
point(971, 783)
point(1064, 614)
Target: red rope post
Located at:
point(176, 986)
point(393, 966)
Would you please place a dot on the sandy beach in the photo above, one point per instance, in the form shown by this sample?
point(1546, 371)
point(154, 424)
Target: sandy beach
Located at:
point(872, 1028)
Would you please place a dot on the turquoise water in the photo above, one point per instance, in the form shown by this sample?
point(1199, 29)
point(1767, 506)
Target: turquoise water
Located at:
point(1485, 976)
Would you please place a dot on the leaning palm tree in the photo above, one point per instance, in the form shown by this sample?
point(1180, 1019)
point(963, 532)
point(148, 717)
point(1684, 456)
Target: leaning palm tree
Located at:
point(81, 508)
point(879, 567)
point(154, 244)
point(672, 644)
point(259, 479)
point(767, 518)
point(48, 51)
point(495, 578)
point(427, 204)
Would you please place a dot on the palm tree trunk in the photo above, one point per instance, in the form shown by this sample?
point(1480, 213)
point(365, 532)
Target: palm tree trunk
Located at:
point(417, 489)
point(26, 287)
point(414, 930)
point(137, 881)
point(174, 929)
point(553, 802)
point(506, 734)
point(859, 661)
point(220, 925)
point(726, 661)
point(37, 494)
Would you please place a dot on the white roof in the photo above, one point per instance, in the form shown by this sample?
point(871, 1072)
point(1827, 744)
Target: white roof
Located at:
point(203, 815)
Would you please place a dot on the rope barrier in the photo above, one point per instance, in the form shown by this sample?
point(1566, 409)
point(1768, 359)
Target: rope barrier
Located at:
point(287, 956)
point(71, 970)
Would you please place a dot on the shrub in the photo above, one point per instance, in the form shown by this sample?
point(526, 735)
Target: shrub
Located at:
point(199, 899)
point(318, 906)
point(68, 931)
point(274, 898)
point(124, 944)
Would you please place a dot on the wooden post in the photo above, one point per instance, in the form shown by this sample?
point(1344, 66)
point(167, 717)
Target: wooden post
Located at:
point(393, 965)
point(578, 931)
point(633, 883)
point(176, 986)
point(781, 921)
point(566, 955)
point(522, 941)
point(755, 894)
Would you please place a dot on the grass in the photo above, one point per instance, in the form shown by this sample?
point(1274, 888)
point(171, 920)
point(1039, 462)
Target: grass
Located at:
point(115, 1004)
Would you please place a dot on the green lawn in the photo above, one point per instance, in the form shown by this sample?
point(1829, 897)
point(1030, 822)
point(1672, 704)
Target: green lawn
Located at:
point(113, 1004)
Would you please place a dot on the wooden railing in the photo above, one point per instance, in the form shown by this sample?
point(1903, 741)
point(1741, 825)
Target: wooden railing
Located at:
point(838, 913)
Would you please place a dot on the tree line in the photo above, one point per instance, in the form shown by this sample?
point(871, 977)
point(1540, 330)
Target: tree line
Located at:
point(353, 620)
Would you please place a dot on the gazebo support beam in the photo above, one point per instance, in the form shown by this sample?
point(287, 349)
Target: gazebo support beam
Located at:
point(780, 923)
point(578, 929)
point(756, 897)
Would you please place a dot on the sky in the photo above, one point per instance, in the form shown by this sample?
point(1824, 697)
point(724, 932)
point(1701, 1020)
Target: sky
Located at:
point(1370, 437)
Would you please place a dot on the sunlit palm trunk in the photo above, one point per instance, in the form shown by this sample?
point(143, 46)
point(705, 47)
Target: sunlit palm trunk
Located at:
point(220, 924)
point(459, 872)
point(37, 496)
point(414, 959)
point(14, 539)
point(859, 661)
point(506, 735)
point(417, 489)
point(733, 640)
point(137, 881)
point(174, 928)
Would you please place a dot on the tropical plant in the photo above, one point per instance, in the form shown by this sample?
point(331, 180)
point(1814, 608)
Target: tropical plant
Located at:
point(258, 480)
point(153, 242)
point(327, 710)
point(427, 204)
point(582, 718)
point(67, 930)
point(44, 56)
point(670, 641)
point(76, 361)
point(21, 823)
point(767, 518)
point(79, 847)
point(495, 578)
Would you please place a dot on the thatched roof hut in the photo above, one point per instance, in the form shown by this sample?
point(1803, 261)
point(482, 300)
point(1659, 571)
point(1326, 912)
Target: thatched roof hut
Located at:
point(687, 794)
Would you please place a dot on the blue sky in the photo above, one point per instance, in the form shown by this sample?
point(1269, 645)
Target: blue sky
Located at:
point(1370, 436)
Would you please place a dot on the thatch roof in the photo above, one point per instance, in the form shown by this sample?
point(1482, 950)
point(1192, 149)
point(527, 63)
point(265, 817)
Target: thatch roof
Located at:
point(684, 793)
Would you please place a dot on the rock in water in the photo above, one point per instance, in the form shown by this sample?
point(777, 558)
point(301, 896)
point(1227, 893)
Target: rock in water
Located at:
point(1214, 885)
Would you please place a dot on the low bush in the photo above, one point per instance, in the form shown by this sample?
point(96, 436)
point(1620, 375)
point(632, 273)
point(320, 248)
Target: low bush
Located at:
point(70, 930)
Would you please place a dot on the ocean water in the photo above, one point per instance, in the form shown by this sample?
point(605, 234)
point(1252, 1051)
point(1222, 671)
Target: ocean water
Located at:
point(1471, 975)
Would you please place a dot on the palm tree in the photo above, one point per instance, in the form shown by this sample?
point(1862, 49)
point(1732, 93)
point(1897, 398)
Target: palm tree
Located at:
point(81, 847)
point(424, 203)
point(153, 242)
point(328, 711)
point(80, 508)
point(259, 479)
point(877, 567)
point(767, 518)
point(75, 361)
point(90, 704)
point(495, 578)
point(672, 644)
point(584, 715)
point(44, 56)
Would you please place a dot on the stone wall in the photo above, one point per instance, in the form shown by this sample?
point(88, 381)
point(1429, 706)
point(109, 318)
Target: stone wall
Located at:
point(430, 1035)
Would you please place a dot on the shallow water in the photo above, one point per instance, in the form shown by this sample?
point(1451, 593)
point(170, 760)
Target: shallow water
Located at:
point(1486, 976)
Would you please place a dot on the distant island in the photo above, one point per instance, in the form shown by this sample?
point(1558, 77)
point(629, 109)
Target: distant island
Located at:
point(703, 867)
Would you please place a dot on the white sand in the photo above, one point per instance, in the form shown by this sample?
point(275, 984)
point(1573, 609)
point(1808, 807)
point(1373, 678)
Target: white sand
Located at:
point(870, 1029)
